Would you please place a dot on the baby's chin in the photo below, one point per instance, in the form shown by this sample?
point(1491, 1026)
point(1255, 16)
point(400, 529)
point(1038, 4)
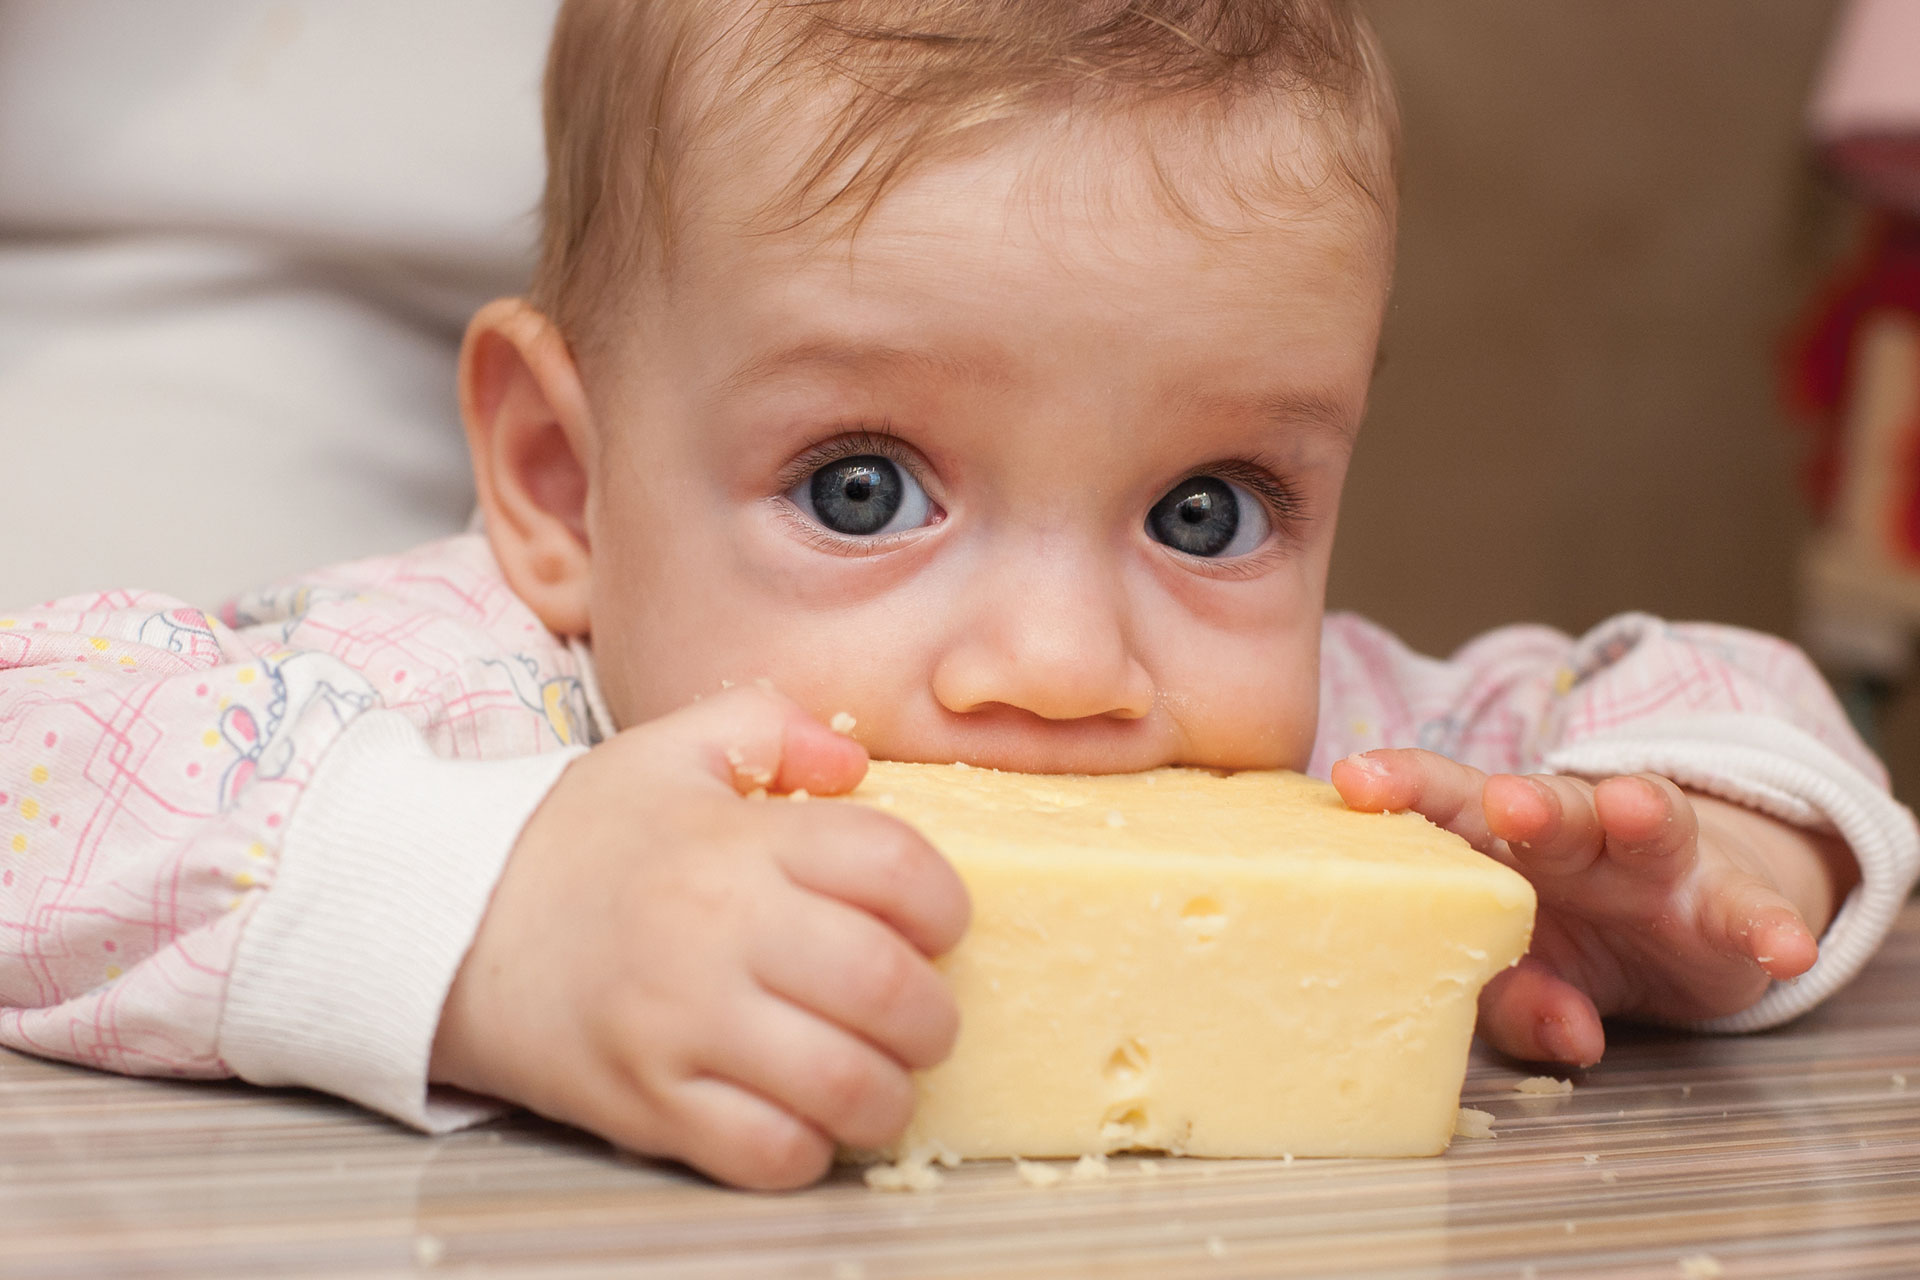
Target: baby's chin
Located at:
point(1020, 742)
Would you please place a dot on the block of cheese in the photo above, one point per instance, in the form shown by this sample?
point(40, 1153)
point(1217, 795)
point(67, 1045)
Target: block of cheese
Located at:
point(1201, 963)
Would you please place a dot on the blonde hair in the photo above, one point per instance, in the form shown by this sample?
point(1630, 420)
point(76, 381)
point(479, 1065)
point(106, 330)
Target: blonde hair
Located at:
point(632, 86)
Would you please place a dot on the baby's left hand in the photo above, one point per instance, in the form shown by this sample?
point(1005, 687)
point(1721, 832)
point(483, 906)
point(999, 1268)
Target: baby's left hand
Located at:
point(1655, 903)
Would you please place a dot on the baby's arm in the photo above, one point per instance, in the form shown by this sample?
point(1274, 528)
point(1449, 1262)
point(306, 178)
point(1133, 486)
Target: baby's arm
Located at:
point(1657, 903)
point(271, 849)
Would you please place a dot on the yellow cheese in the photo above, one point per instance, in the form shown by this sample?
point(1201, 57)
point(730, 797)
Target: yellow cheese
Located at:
point(1211, 965)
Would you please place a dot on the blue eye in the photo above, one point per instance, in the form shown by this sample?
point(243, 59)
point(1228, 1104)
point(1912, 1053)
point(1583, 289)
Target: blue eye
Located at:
point(1209, 517)
point(863, 497)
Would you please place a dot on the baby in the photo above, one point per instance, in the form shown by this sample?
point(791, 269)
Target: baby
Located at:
point(981, 376)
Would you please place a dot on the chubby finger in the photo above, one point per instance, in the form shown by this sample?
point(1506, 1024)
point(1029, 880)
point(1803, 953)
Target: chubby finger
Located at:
point(826, 1076)
point(1549, 823)
point(1650, 824)
point(1749, 919)
point(1391, 779)
point(738, 1137)
point(850, 969)
point(884, 867)
point(1531, 1013)
point(1782, 945)
point(751, 737)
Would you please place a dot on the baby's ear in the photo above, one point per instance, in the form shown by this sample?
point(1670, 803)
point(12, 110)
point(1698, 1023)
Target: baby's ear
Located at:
point(529, 429)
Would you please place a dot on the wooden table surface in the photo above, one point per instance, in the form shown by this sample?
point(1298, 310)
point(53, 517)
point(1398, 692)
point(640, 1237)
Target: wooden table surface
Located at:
point(1791, 1154)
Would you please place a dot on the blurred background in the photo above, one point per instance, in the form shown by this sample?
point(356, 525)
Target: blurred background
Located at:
point(1610, 221)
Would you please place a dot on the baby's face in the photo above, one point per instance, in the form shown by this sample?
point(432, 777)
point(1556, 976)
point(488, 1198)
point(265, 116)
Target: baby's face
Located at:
point(1029, 473)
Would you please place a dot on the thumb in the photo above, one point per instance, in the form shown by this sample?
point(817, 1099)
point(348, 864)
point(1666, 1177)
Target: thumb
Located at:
point(751, 738)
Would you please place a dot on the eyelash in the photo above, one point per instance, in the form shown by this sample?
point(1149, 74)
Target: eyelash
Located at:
point(878, 440)
point(1286, 508)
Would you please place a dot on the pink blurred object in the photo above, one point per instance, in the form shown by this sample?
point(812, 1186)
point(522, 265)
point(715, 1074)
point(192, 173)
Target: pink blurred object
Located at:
point(1865, 113)
point(1853, 366)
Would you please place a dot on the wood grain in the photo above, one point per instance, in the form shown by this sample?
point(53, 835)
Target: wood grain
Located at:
point(1790, 1154)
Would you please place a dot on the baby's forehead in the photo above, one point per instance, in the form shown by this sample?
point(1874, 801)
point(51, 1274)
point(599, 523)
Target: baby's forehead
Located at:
point(1011, 267)
point(1089, 184)
point(670, 116)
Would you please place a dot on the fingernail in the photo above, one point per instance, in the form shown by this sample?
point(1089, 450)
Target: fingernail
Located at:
point(1367, 765)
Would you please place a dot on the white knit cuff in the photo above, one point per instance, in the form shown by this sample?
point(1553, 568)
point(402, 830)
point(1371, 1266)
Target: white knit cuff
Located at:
point(390, 859)
point(1785, 772)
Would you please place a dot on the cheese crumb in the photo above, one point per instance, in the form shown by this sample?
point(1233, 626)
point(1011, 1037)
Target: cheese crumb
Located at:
point(912, 1172)
point(1591, 1158)
point(1115, 818)
point(1089, 1168)
point(428, 1251)
point(1608, 1175)
point(758, 793)
point(1543, 1085)
point(737, 758)
point(961, 764)
point(849, 1269)
point(1216, 1247)
point(1035, 1174)
point(1686, 1091)
point(842, 722)
point(798, 795)
point(1701, 1266)
point(761, 777)
point(1899, 1082)
point(1473, 1123)
point(1150, 1167)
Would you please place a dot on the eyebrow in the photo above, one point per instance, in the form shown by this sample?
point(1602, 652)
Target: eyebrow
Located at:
point(1314, 410)
point(835, 355)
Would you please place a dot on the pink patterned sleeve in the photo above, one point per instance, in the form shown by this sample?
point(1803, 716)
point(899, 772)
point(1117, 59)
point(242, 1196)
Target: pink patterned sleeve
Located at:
point(258, 844)
point(1724, 711)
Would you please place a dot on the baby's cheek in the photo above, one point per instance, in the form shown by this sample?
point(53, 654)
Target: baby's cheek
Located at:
point(1249, 714)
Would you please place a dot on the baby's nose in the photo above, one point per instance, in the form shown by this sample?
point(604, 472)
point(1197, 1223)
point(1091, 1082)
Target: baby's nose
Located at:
point(1050, 636)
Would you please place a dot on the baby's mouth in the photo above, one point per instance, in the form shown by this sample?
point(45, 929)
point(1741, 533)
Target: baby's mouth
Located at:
point(1008, 738)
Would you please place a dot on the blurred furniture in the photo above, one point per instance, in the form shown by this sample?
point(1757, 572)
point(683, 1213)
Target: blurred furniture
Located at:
point(238, 245)
point(1855, 366)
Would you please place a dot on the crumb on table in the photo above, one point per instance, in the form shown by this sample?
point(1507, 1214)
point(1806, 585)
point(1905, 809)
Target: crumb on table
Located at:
point(1473, 1123)
point(1543, 1085)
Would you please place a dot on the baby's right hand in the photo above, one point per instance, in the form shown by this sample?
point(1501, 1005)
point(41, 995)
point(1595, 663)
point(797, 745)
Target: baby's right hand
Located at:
point(739, 984)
